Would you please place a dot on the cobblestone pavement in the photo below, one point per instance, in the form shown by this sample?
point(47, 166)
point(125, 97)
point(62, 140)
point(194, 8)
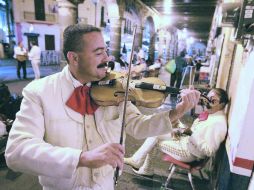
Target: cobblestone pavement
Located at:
point(127, 181)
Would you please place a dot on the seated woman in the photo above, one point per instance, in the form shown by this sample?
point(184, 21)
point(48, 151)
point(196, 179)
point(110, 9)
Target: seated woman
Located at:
point(153, 70)
point(157, 64)
point(200, 140)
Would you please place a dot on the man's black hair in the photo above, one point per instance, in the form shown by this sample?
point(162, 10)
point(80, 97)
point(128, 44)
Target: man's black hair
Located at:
point(72, 37)
point(182, 53)
point(222, 94)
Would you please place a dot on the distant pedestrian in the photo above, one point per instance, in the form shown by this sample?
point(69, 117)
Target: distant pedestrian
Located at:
point(124, 49)
point(35, 57)
point(198, 65)
point(20, 54)
point(180, 66)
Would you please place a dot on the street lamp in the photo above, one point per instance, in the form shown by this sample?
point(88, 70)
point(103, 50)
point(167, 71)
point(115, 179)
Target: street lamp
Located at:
point(95, 6)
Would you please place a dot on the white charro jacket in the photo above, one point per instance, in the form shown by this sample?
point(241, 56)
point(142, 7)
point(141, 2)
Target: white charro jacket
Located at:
point(47, 137)
point(207, 135)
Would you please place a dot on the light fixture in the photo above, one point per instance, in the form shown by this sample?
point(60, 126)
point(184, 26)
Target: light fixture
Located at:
point(95, 1)
point(167, 5)
point(31, 28)
point(190, 40)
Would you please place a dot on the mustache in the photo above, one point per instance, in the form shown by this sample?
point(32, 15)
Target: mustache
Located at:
point(102, 65)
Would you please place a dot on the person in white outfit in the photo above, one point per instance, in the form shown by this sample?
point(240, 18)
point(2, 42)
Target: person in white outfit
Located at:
point(61, 135)
point(35, 57)
point(197, 142)
point(157, 64)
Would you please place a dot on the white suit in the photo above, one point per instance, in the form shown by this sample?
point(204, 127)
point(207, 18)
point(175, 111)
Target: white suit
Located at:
point(204, 142)
point(47, 137)
point(35, 57)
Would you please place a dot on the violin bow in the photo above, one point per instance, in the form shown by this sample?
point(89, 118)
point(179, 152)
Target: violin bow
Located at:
point(125, 101)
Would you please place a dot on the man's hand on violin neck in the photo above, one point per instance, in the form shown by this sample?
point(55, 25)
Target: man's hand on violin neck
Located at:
point(190, 99)
point(110, 153)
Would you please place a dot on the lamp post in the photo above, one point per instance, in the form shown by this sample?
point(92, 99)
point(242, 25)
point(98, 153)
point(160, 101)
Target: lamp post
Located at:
point(95, 6)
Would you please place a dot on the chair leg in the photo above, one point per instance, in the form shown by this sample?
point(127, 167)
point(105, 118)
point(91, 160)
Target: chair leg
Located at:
point(170, 175)
point(190, 179)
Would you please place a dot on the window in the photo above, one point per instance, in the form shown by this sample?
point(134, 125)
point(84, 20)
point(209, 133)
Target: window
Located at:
point(39, 9)
point(103, 24)
point(49, 42)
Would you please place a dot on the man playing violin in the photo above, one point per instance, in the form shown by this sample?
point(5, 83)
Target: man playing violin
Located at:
point(62, 136)
point(197, 142)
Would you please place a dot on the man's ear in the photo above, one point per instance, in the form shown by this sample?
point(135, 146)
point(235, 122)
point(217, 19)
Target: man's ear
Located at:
point(72, 57)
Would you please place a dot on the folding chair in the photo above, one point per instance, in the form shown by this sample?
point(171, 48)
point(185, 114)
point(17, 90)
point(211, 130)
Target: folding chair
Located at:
point(190, 167)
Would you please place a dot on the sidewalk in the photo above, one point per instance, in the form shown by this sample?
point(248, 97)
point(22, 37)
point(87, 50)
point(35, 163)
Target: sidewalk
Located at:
point(8, 70)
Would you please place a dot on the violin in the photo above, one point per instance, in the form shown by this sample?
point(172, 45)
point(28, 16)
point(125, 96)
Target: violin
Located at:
point(147, 92)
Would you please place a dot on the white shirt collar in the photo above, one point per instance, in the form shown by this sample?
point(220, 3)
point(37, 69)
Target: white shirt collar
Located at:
point(220, 112)
point(75, 82)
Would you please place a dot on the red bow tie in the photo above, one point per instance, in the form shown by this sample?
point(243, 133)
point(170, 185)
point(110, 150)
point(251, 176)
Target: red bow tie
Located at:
point(81, 102)
point(203, 116)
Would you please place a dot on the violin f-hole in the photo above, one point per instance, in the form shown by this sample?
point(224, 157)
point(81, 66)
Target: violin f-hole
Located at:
point(119, 93)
